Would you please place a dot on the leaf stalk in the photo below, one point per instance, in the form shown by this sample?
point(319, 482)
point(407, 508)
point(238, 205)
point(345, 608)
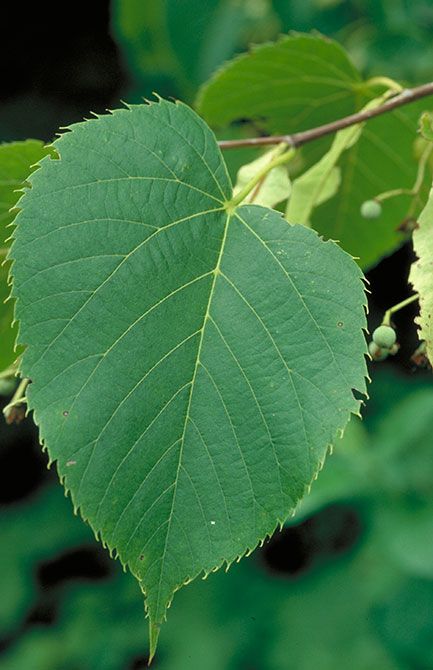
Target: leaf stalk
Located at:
point(283, 156)
point(396, 308)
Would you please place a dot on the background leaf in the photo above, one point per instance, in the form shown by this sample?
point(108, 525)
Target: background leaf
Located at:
point(421, 274)
point(303, 81)
point(161, 417)
point(376, 163)
point(322, 180)
point(16, 161)
point(299, 82)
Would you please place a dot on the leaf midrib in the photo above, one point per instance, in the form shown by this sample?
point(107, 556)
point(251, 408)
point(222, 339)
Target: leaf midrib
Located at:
point(216, 272)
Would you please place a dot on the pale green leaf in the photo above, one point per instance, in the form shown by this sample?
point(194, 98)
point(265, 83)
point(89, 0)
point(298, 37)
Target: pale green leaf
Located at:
point(272, 189)
point(190, 364)
point(315, 186)
point(421, 274)
point(16, 161)
point(321, 181)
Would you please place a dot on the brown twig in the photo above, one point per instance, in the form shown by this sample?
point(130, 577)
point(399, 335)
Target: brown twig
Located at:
point(298, 139)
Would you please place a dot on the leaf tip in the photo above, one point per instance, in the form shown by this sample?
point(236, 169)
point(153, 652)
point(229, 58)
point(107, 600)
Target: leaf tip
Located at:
point(153, 640)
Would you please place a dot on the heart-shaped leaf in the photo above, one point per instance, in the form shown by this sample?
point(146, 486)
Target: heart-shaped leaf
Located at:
point(190, 362)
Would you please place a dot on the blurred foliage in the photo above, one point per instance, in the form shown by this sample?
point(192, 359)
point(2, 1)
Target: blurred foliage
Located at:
point(173, 46)
point(383, 37)
point(364, 591)
point(31, 533)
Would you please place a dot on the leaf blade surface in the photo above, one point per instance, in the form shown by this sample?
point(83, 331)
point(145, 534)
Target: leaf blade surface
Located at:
point(190, 364)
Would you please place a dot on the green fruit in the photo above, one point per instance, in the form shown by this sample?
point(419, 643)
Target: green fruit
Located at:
point(384, 337)
point(371, 209)
point(376, 352)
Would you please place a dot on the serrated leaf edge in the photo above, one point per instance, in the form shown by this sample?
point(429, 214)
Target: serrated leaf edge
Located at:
point(279, 524)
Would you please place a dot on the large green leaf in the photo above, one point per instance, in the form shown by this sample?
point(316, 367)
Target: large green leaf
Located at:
point(421, 274)
point(190, 363)
point(16, 160)
point(299, 82)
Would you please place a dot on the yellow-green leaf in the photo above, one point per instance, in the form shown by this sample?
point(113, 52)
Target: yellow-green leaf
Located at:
point(272, 189)
point(421, 274)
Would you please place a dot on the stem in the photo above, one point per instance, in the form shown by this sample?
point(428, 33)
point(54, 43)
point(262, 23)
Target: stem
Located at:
point(418, 181)
point(17, 399)
point(387, 317)
point(391, 84)
point(394, 192)
point(421, 168)
point(9, 372)
point(279, 159)
point(406, 96)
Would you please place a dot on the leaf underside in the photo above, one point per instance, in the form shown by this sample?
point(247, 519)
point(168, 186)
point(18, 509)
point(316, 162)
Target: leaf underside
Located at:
point(190, 365)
